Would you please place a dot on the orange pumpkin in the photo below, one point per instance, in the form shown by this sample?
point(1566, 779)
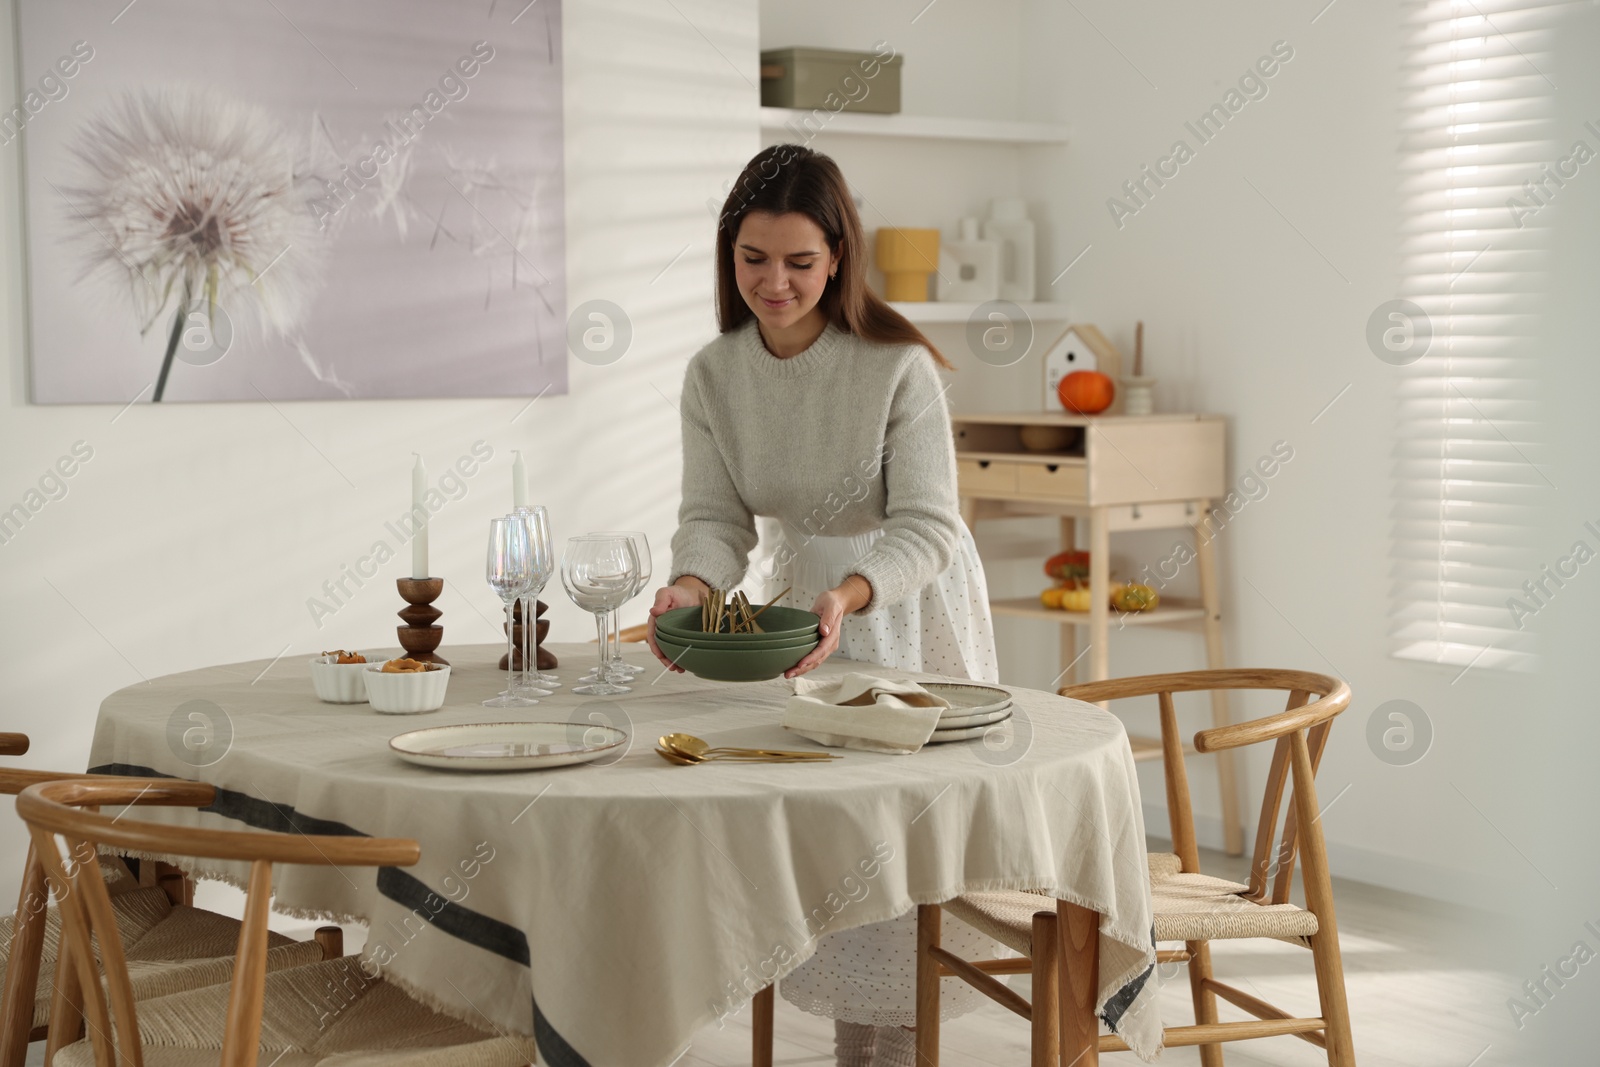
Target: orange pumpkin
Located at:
point(1067, 566)
point(1086, 392)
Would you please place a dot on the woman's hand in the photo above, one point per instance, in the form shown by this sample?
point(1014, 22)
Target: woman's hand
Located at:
point(852, 594)
point(686, 592)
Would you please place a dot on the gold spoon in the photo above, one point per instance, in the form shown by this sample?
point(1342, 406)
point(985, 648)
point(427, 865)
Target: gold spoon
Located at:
point(736, 756)
point(694, 761)
point(673, 756)
point(697, 749)
point(680, 756)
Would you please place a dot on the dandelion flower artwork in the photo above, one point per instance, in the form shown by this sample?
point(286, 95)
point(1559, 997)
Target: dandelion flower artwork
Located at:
point(190, 195)
point(482, 183)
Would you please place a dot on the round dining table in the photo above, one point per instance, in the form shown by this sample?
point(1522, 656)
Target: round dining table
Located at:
point(612, 909)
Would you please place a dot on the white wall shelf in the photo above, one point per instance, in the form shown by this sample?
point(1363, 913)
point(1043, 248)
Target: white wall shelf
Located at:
point(927, 127)
point(932, 311)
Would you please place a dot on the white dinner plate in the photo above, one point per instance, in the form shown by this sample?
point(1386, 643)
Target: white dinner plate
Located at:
point(506, 746)
point(975, 718)
point(965, 733)
point(967, 698)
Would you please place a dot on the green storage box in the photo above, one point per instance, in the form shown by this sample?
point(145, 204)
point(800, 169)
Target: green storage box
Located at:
point(827, 80)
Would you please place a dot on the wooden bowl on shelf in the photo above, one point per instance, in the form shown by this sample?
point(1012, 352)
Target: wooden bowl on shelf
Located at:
point(1036, 438)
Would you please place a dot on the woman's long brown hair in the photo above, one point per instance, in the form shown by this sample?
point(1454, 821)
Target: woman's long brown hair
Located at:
point(787, 178)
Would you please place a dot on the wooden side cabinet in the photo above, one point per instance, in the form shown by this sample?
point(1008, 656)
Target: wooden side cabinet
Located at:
point(1113, 473)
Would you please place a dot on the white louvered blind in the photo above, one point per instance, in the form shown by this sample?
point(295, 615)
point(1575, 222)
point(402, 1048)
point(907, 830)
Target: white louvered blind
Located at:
point(1478, 123)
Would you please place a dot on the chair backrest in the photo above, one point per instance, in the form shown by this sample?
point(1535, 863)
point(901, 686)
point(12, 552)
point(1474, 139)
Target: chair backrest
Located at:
point(68, 829)
point(28, 922)
point(1300, 732)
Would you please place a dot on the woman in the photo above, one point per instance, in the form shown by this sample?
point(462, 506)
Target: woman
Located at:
point(821, 406)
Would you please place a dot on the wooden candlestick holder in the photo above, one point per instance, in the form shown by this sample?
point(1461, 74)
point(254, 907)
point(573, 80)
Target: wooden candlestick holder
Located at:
point(419, 636)
point(542, 657)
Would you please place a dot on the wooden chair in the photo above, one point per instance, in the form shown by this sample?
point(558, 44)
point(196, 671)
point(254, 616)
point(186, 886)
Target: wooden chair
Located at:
point(303, 1015)
point(172, 946)
point(1188, 906)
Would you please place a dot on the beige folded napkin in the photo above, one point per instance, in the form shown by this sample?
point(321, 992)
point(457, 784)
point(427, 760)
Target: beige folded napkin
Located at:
point(863, 711)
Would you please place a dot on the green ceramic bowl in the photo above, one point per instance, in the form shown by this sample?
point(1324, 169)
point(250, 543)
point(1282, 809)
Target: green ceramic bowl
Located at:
point(752, 644)
point(734, 664)
point(775, 622)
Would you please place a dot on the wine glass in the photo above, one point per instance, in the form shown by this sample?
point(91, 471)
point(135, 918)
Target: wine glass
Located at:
point(532, 681)
point(599, 573)
point(620, 669)
point(510, 571)
point(548, 679)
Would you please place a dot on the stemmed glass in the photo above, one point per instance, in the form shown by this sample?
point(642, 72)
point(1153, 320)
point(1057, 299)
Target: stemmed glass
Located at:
point(532, 681)
point(621, 669)
point(510, 572)
point(618, 669)
point(599, 572)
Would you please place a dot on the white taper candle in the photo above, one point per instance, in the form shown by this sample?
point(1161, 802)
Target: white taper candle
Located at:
point(419, 518)
point(519, 482)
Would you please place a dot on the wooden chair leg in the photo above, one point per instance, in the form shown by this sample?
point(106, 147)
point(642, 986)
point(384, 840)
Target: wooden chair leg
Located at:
point(929, 917)
point(761, 1028)
point(1046, 991)
point(1318, 885)
point(1330, 991)
point(1079, 983)
point(1205, 1001)
point(178, 886)
point(331, 940)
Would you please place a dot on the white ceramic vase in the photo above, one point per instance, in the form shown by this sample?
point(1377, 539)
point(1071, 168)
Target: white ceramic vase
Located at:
point(969, 267)
point(1138, 396)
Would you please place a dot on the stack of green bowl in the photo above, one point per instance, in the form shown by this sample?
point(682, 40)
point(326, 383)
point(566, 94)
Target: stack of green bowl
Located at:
point(788, 634)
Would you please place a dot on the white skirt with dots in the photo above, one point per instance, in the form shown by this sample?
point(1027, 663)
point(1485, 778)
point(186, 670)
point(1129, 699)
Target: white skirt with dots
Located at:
point(868, 974)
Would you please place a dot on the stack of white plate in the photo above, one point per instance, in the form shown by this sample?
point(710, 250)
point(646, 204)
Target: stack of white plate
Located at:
point(973, 710)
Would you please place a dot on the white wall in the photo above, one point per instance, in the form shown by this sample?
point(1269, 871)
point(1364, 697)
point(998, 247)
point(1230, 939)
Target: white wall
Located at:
point(1557, 717)
point(1265, 325)
point(197, 532)
point(1245, 318)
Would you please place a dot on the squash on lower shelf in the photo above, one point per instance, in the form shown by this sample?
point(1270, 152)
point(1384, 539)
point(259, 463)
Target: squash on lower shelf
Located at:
point(1066, 597)
point(1074, 596)
point(1133, 596)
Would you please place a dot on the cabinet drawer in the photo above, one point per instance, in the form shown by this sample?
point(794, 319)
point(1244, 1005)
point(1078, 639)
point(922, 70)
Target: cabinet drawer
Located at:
point(978, 476)
point(1054, 481)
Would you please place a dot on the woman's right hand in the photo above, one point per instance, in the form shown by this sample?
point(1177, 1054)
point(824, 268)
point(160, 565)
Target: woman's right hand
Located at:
point(686, 592)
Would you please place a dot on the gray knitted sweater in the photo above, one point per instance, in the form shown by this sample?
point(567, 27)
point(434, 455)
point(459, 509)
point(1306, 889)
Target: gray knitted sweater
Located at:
point(846, 437)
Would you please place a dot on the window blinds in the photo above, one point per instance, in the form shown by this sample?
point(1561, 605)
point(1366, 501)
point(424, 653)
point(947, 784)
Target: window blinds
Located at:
point(1478, 140)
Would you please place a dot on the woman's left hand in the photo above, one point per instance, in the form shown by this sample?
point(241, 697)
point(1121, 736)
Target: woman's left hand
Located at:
point(853, 594)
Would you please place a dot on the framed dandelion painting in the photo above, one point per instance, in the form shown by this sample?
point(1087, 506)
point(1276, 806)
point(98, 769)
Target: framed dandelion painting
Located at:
point(291, 199)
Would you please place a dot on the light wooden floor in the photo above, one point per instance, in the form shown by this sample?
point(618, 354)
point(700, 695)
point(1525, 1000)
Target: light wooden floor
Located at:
point(1417, 997)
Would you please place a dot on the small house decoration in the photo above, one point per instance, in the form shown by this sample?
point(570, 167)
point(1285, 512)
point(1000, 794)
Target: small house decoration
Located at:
point(1081, 347)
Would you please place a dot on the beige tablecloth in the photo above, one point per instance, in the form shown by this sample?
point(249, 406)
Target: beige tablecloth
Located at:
point(613, 910)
